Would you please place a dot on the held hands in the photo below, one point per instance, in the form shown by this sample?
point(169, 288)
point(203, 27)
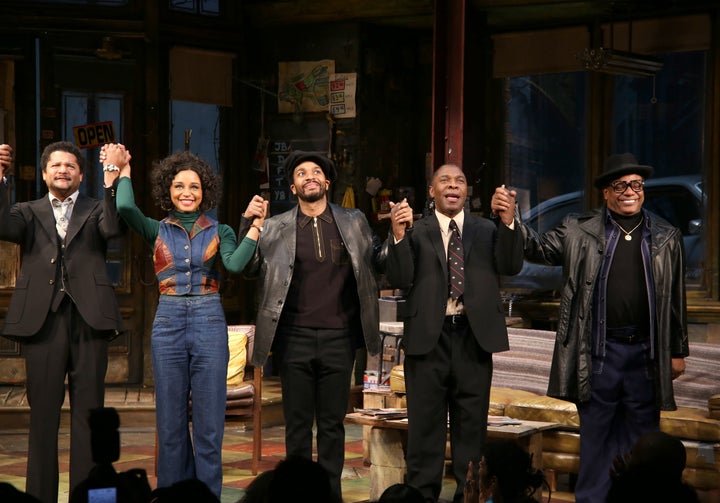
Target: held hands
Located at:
point(6, 158)
point(257, 210)
point(503, 204)
point(115, 154)
point(401, 217)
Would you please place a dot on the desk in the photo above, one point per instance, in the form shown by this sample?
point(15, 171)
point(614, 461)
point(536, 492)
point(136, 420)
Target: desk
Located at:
point(388, 439)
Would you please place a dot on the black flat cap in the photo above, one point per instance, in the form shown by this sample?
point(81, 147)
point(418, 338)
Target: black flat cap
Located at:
point(618, 165)
point(298, 157)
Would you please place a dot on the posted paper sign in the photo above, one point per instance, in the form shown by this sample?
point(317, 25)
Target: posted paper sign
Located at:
point(342, 95)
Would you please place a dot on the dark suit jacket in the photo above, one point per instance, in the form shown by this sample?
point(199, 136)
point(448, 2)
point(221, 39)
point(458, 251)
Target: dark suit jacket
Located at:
point(418, 264)
point(32, 226)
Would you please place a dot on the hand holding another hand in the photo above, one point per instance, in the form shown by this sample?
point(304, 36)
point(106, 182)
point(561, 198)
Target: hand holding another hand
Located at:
point(257, 210)
point(6, 158)
point(401, 217)
point(503, 204)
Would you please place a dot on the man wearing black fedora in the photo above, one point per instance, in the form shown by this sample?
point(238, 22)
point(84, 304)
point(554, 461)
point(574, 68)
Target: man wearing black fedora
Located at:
point(317, 304)
point(622, 327)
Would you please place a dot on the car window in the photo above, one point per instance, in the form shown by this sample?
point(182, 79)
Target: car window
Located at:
point(675, 204)
point(553, 216)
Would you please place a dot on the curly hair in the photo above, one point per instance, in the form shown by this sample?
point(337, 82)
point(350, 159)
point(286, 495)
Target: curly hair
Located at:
point(62, 146)
point(166, 169)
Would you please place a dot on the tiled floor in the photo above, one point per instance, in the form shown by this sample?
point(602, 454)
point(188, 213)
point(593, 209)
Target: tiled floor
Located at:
point(137, 451)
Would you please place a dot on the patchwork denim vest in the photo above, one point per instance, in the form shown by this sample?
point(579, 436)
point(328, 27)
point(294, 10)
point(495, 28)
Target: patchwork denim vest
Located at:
point(184, 262)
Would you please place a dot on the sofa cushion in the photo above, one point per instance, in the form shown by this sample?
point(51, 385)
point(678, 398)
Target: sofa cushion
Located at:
point(544, 408)
point(714, 406)
point(501, 397)
point(690, 423)
point(561, 441)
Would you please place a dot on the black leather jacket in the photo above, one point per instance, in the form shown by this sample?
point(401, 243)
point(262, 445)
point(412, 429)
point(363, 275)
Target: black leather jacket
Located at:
point(579, 245)
point(273, 263)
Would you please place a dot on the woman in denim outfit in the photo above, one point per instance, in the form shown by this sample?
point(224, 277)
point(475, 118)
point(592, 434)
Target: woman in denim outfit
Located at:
point(189, 335)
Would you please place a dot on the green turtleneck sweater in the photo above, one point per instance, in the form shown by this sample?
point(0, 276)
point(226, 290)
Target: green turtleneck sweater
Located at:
point(234, 257)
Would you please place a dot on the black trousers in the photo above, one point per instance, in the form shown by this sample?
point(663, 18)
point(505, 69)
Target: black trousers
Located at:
point(453, 378)
point(315, 367)
point(65, 346)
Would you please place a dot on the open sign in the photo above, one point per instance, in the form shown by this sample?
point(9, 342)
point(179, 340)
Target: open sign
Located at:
point(94, 135)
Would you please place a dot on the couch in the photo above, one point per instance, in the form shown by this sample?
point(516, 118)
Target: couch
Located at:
point(518, 390)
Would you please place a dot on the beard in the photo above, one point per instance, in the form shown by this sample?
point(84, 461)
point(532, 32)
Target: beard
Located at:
point(312, 197)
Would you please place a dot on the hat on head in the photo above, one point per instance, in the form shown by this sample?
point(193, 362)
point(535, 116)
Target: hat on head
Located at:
point(618, 165)
point(298, 157)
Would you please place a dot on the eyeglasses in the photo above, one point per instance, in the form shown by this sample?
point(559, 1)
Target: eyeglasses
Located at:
point(620, 186)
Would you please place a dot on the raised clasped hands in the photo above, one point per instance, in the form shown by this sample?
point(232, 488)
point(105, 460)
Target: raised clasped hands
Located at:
point(503, 204)
point(401, 217)
point(257, 210)
point(115, 154)
point(6, 158)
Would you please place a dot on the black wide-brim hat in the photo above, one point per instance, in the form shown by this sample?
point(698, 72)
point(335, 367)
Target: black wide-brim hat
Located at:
point(618, 165)
point(298, 157)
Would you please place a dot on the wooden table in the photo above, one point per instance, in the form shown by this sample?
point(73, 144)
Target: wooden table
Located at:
point(388, 438)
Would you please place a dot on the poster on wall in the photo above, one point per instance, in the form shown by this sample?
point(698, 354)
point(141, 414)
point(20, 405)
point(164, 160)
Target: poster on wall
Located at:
point(303, 86)
point(342, 95)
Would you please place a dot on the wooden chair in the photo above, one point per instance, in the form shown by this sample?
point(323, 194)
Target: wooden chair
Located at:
point(244, 401)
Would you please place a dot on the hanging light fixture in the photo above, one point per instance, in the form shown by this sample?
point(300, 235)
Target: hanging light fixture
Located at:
point(616, 62)
point(609, 60)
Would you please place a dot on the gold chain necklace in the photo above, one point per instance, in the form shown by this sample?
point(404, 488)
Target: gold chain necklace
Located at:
point(628, 237)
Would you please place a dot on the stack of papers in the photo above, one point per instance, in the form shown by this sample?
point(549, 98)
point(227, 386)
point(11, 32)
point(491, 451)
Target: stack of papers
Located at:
point(502, 421)
point(384, 413)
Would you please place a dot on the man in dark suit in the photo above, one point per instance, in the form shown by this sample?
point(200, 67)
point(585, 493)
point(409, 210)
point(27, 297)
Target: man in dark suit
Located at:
point(63, 310)
point(449, 264)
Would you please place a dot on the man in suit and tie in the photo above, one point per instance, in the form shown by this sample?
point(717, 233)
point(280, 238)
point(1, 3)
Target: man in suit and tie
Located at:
point(63, 310)
point(453, 317)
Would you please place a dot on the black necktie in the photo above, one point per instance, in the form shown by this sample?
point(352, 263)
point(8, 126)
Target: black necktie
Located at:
point(456, 262)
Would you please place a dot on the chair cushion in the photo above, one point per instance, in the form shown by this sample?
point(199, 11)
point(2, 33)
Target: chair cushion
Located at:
point(397, 379)
point(237, 344)
point(245, 390)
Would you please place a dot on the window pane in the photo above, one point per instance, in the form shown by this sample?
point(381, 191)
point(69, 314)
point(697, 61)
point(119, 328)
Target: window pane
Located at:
point(202, 123)
point(667, 133)
point(204, 7)
point(80, 109)
point(545, 137)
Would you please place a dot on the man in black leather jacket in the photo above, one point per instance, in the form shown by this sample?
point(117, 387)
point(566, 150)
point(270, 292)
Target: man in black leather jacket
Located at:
point(318, 303)
point(622, 328)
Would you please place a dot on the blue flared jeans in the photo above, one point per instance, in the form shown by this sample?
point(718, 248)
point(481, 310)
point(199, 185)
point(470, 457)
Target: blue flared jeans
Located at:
point(190, 355)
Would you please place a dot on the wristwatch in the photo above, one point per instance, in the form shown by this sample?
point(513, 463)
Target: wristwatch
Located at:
point(259, 228)
point(111, 167)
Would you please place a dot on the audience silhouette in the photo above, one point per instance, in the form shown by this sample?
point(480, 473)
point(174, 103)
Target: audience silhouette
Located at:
point(505, 475)
point(10, 494)
point(104, 484)
point(293, 479)
point(190, 491)
point(652, 471)
point(401, 493)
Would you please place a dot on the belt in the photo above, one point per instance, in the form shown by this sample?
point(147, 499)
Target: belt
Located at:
point(456, 320)
point(626, 335)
